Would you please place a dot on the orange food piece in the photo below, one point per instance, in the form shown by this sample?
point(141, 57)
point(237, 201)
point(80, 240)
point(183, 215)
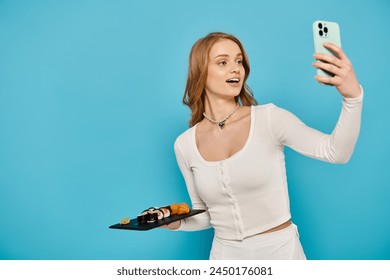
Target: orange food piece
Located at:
point(174, 208)
point(183, 208)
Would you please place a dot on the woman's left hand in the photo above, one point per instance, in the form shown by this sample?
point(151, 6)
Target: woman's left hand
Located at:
point(344, 76)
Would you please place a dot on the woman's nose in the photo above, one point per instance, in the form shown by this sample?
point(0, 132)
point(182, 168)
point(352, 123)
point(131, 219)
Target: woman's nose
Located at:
point(235, 69)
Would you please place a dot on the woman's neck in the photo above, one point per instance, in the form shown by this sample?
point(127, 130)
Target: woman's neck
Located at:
point(218, 109)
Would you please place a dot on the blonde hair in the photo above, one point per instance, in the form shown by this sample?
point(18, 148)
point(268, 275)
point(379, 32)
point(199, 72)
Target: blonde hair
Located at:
point(194, 94)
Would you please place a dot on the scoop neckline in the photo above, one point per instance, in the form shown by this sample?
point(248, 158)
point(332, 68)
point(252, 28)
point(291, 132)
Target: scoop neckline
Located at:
point(232, 157)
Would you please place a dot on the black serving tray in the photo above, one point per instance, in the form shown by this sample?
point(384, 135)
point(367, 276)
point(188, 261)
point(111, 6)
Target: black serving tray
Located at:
point(135, 226)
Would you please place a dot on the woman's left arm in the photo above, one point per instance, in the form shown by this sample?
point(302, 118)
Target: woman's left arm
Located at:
point(338, 146)
point(344, 78)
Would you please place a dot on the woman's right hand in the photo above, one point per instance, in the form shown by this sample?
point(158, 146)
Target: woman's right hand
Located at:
point(172, 226)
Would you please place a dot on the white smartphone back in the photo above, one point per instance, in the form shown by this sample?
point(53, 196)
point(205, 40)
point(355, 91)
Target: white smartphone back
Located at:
point(325, 31)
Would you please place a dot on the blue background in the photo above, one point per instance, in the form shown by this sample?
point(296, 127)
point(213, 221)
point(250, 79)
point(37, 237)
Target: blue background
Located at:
point(90, 106)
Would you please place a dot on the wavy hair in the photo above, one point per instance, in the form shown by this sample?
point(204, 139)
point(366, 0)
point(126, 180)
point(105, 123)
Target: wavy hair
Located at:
point(194, 94)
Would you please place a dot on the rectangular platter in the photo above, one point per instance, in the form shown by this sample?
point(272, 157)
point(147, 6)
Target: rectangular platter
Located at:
point(135, 226)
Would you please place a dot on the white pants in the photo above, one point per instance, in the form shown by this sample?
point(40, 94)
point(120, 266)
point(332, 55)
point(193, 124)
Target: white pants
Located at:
point(278, 245)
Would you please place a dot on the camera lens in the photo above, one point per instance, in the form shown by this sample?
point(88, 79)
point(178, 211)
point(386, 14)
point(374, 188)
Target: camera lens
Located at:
point(321, 33)
point(326, 29)
point(320, 25)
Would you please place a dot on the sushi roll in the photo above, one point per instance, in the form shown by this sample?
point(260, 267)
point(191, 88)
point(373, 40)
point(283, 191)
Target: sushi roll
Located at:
point(149, 210)
point(142, 218)
point(166, 211)
point(151, 217)
point(159, 212)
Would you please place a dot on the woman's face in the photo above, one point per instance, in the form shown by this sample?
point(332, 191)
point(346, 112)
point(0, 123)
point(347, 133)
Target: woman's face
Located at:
point(225, 76)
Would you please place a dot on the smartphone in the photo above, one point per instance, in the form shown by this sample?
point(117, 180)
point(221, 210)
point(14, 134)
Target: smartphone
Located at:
point(325, 31)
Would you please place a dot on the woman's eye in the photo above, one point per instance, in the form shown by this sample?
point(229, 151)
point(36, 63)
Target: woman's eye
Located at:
point(239, 61)
point(222, 63)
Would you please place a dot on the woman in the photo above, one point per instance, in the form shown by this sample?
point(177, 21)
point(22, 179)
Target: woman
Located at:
point(232, 156)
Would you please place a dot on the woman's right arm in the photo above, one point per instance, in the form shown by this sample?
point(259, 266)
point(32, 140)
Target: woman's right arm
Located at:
point(197, 222)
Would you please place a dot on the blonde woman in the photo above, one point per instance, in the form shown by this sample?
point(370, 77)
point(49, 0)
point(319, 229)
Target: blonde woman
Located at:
point(232, 156)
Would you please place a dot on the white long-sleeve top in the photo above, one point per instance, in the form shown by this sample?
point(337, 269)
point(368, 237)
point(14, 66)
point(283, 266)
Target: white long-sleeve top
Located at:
point(247, 193)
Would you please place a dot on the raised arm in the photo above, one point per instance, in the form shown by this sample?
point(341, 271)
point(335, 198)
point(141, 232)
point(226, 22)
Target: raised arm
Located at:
point(338, 146)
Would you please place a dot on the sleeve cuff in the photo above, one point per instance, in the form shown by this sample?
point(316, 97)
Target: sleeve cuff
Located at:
point(355, 99)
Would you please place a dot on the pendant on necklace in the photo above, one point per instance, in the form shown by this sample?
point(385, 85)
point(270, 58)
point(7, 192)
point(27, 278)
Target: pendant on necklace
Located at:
point(221, 125)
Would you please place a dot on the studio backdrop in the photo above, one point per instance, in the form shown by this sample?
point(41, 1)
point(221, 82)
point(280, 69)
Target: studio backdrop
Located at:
point(91, 104)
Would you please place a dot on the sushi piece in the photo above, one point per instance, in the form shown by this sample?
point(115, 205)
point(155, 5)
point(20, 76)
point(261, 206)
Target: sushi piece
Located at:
point(151, 217)
point(160, 213)
point(166, 211)
point(143, 218)
point(183, 208)
point(174, 208)
point(149, 210)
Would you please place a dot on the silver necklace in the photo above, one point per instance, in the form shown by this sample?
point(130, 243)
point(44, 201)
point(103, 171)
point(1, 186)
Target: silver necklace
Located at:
point(221, 124)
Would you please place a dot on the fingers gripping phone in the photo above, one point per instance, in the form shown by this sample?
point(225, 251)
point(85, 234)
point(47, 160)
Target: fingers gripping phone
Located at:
point(325, 31)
